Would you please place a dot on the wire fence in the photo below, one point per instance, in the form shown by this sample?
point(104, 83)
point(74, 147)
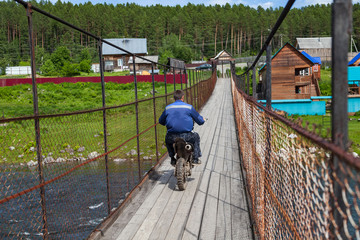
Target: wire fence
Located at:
point(296, 190)
point(300, 185)
point(62, 174)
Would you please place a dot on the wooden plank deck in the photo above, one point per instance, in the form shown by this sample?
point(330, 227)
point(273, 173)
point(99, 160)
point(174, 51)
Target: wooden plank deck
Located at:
point(213, 206)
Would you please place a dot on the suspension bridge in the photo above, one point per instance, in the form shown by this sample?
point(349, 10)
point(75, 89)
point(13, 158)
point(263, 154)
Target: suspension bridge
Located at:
point(262, 176)
point(214, 205)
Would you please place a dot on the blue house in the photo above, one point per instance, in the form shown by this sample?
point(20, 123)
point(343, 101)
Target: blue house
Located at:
point(354, 75)
point(355, 61)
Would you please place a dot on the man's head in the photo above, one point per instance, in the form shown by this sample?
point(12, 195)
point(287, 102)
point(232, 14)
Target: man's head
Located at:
point(179, 94)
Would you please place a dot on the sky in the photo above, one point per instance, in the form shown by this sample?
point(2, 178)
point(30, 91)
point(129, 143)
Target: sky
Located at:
point(251, 3)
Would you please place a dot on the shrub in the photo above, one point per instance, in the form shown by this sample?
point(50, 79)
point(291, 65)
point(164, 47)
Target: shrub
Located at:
point(48, 69)
point(23, 63)
point(69, 70)
point(85, 66)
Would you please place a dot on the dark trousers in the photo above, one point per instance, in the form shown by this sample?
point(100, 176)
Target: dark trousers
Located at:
point(191, 137)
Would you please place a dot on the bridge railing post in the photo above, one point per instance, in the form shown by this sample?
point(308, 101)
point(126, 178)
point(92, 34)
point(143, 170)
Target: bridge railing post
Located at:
point(137, 118)
point(195, 89)
point(181, 81)
point(254, 82)
point(187, 86)
point(248, 84)
point(101, 62)
point(174, 79)
point(166, 97)
point(44, 228)
point(154, 105)
point(268, 76)
point(341, 29)
point(267, 170)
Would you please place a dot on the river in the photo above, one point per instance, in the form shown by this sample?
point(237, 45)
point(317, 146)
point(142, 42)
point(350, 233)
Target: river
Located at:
point(75, 204)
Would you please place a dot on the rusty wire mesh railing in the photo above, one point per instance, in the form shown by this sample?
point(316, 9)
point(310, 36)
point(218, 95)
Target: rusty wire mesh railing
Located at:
point(63, 174)
point(296, 191)
point(300, 186)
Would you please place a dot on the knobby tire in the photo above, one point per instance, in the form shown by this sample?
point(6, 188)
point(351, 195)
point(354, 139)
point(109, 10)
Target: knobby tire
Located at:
point(181, 173)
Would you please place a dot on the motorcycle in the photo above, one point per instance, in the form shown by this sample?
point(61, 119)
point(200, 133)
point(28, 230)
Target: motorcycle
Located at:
point(184, 156)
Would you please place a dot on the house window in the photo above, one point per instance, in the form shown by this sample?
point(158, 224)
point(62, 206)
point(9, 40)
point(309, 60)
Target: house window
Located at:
point(297, 90)
point(120, 63)
point(302, 72)
point(109, 63)
point(316, 68)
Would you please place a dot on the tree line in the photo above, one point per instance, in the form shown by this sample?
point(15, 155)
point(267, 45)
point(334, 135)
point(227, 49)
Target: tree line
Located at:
point(196, 31)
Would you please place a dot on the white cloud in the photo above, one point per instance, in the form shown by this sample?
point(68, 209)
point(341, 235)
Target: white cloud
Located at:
point(263, 5)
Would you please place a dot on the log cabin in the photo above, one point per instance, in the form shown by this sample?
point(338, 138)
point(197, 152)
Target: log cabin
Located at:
point(291, 76)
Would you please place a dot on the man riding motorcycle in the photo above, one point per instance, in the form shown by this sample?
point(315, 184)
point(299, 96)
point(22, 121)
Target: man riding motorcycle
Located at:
point(179, 118)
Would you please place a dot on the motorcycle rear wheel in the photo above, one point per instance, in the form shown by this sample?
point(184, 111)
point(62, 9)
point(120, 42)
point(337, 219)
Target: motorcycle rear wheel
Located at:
point(181, 173)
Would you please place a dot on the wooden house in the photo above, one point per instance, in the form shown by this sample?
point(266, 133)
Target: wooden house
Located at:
point(291, 76)
point(117, 60)
point(221, 58)
point(316, 47)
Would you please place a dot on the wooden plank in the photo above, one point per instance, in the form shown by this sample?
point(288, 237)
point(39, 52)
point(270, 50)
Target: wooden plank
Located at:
point(136, 202)
point(219, 156)
point(239, 209)
point(208, 225)
point(176, 211)
point(135, 222)
point(157, 210)
point(228, 159)
point(224, 221)
point(195, 215)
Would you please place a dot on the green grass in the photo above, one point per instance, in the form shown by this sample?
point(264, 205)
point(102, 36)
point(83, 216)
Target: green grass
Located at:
point(61, 134)
point(323, 123)
point(16, 101)
point(15, 76)
point(325, 82)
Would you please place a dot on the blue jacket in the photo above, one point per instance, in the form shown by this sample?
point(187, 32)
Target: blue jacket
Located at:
point(179, 117)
